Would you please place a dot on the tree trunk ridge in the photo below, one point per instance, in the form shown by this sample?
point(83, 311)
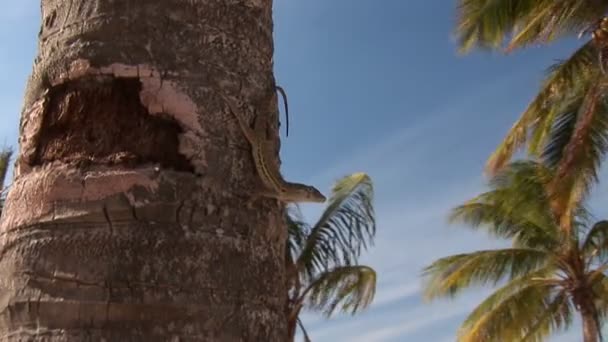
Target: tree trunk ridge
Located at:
point(127, 220)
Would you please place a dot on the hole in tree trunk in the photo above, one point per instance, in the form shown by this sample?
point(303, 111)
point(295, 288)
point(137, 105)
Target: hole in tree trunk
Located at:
point(102, 121)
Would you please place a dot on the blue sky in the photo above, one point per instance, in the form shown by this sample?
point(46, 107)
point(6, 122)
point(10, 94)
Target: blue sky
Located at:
point(373, 86)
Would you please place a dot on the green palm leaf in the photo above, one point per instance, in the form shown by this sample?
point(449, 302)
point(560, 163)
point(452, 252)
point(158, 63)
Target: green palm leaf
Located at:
point(450, 275)
point(547, 271)
point(537, 120)
point(352, 288)
point(487, 24)
point(595, 244)
point(346, 226)
point(557, 317)
point(600, 289)
point(522, 227)
point(516, 208)
point(523, 309)
point(530, 314)
point(575, 149)
point(554, 20)
point(297, 231)
point(304, 332)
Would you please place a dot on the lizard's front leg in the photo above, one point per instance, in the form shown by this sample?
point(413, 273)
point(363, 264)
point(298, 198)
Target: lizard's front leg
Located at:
point(260, 192)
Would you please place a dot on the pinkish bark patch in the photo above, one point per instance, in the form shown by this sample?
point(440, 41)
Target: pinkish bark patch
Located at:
point(32, 198)
point(159, 96)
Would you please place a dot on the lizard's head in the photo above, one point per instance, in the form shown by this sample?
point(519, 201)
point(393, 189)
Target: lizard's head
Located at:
point(306, 193)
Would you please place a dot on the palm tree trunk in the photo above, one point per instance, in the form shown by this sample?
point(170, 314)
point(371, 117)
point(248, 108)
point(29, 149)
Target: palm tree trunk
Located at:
point(292, 325)
point(590, 328)
point(127, 220)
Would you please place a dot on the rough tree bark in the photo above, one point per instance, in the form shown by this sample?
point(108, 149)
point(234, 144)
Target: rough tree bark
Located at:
point(126, 219)
point(590, 328)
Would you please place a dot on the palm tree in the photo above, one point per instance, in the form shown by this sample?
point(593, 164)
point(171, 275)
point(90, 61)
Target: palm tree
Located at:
point(572, 95)
point(5, 158)
point(548, 274)
point(127, 217)
point(323, 272)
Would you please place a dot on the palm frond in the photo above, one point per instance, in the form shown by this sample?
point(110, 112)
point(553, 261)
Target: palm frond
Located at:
point(352, 288)
point(562, 130)
point(297, 231)
point(523, 308)
point(600, 291)
point(536, 122)
point(450, 275)
point(575, 149)
point(304, 332)
point(530, 313)
point(595, 244)
point(525, 228)
point(487, 24)
point(557, 317)
point(555, 20)
point(347, 226)
point(515, 208)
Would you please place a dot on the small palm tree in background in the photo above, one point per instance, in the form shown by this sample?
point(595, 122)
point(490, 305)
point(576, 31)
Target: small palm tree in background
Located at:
point(322, 260)
point(550, 274)
point(570, 108)
point(5, 158)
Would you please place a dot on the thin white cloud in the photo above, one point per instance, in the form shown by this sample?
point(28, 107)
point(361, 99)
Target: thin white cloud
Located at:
point(396, 323)
point(406, 141)
point(395, 293)
point(405, 328)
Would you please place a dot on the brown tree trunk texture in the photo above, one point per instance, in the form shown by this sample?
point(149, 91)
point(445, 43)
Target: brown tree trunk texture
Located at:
point(127, 220)
point(590, 328)
point(292, 325)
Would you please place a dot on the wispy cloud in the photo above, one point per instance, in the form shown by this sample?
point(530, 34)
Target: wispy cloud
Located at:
point(397, 323)
point(412, 227)
point(407, 327)
point(397, 292)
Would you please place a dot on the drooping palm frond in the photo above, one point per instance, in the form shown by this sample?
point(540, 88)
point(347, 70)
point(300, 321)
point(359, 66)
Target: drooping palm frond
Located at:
point(347, 226)
point(327, 275)
point(487, 24)
point(530, 314)
point(557, 317)
point(450, 275)
point(556, 20)
point(536, 122)
point(515, 208)
point(525, 230)
point(351, 288)
point(575, 148)
point(304, 331)
point(297, 231)
point(600, 289)
point(524, 309)
point(595, 244)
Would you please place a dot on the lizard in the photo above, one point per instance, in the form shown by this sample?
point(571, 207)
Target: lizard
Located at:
point(262, 152)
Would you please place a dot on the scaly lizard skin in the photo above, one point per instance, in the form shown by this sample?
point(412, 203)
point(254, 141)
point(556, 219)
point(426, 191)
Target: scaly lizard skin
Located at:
point(262, 152)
